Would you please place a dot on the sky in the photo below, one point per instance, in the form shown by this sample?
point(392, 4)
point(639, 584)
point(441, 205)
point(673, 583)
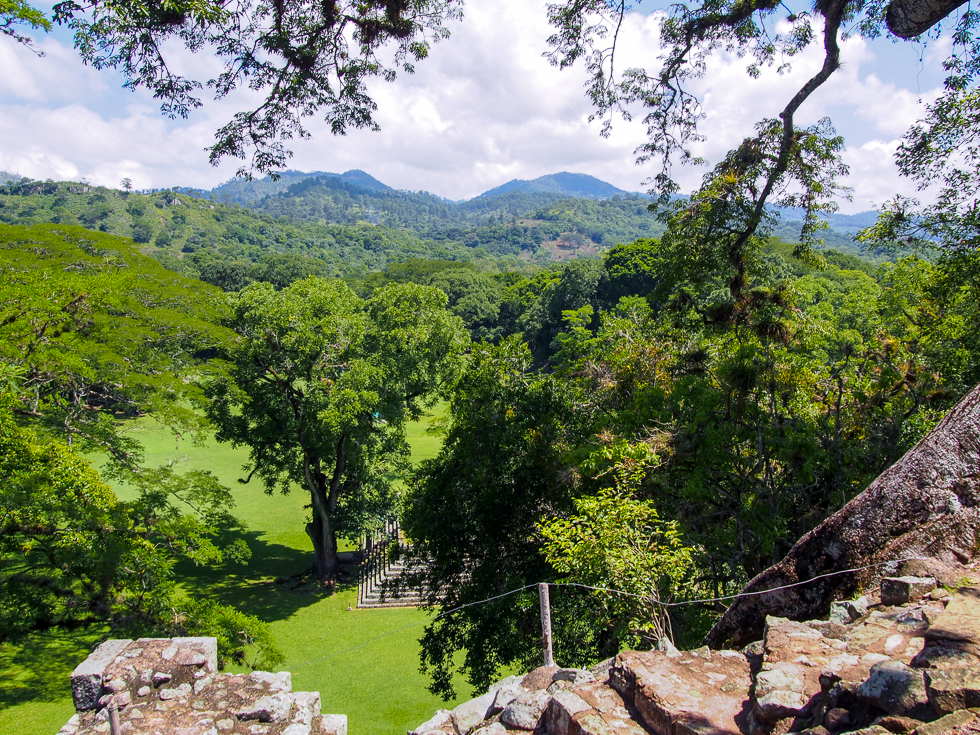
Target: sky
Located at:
point(483, 109)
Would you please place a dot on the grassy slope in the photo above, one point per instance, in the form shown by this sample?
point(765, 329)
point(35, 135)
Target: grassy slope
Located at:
point(377, 685)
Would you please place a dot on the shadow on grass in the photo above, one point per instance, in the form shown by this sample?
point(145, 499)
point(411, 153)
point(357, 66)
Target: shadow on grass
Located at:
point(39, 667)
point(252, 588)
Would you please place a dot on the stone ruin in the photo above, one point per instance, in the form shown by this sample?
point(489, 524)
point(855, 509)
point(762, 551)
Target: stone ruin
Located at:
point(171, 686)
point(806, 651)
point(903, 659)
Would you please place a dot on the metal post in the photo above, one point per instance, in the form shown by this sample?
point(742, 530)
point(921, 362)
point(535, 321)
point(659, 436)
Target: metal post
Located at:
point(549, 657)
point(113, 717)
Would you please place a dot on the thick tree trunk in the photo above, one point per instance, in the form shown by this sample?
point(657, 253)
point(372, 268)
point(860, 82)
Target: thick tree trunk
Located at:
point(911, 18)
point(926, 504)
point(324, 547)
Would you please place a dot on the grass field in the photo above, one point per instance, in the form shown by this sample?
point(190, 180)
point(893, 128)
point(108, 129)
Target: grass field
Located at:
point(329, 649)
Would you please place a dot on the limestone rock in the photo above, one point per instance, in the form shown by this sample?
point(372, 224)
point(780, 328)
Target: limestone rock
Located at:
point(494, 728)
point(539, 678)
point(441, 718)
point(926, 504)
point(334, 724)
point(953, 688)
point(893, 687)
point(505, 693)
point(270, 708)
point(525, 712)
point(86, 679)
point(470, 713)
point(945, 724)
point(903, 590)
point(674, 694)
point(562, 709)
point(960, 621)
point(779, 692)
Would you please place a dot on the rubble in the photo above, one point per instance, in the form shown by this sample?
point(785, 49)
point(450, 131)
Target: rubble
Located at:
point(877, 666)
point(172, 685)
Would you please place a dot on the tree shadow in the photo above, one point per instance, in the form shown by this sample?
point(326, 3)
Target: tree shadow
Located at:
point(38, 668)
point(252, 587)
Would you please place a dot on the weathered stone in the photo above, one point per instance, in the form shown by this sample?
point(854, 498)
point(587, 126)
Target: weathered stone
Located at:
point(609, 714)
point(504, 695)
point(779, 693)
point(86, 679)
point(143, 691)
point(960, 621)
point(561, 710)
point(270, 708)
point(539, 678)
point(438, 720)
point(525, 712)
point(601, 670)
point(494, 728)
point(306, 706)
point(184, 690)
point(225, 724)
point(837, 720)
point(161, 677)
point(470, 713)
point(297, 728)
point(946, 574)
point(953, 688)
point(945, 724)
point(927, 503)
point(201, 684)
point(574, 676)
point(903, 590)
point(334, 724)
point(279, 682)
point(893, 687)
point(898, 724)
point(675, 695)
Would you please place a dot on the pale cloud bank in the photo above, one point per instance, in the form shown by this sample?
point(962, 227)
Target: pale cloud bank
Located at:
point(485, 108)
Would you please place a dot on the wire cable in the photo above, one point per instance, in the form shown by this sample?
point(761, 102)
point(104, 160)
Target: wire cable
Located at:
point(618, 592)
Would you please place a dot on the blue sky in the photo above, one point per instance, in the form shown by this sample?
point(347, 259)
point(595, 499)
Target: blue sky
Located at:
point(483, 109)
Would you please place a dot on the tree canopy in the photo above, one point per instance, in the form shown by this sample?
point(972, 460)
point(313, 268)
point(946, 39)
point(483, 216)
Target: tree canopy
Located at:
point(320, 390)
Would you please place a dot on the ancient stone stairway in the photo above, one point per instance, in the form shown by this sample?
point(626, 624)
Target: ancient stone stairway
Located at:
point(385, 563)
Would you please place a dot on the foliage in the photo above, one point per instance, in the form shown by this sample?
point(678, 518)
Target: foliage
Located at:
point(72, 553)
point(940, 152)
point(304, 58)
point(15, 13)
point(100, 331)
point(472, 513)
point(616, 542)
point(321, 388)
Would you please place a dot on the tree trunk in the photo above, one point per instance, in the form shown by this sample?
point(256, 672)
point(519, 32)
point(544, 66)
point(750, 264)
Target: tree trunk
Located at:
point(926, 504)
point(324, 546)
point(911, 18)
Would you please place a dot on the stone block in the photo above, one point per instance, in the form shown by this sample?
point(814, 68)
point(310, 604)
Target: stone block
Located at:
point(903, 590)
point(779, 692)
point(945, 724)
point(306, 706)
point(525, 712)
point(494, 728)
point(269, 708)
point(574, 676)
point(953, 688)
point(471, 713)
point(960, 621)
point(673, 695)
point(441, 718)
point(281, 681)
point(561, 710)
point(86, 679)
point(334, 724)
point(893, 687)
point(539, 678)
point(504, 695)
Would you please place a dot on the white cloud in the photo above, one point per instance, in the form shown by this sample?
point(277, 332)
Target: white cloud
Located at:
point(484, 108)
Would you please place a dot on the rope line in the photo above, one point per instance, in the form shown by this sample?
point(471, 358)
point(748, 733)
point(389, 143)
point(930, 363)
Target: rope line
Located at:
point(618, 592)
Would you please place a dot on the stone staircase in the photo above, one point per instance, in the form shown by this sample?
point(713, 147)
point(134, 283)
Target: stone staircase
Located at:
point(385, 563)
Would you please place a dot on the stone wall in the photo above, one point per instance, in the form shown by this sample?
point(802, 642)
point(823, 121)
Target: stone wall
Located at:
point(171, 686)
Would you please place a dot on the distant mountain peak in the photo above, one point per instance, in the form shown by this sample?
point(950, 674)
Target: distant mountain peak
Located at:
point(581, 186)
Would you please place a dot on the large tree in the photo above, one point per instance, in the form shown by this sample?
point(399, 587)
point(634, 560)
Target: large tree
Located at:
point(321, 388)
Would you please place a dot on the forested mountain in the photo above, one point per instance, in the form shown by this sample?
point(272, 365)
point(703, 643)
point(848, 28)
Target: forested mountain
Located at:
point(566, 184)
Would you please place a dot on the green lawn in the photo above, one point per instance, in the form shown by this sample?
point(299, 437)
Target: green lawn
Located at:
point(377, 684)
